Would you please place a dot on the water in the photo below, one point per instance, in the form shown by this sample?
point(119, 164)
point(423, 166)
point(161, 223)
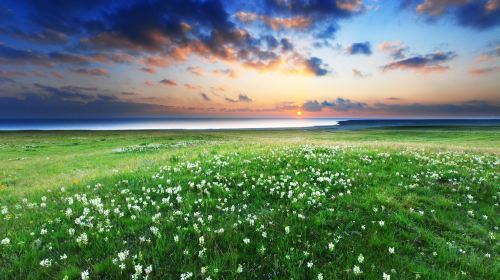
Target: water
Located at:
point(232, 123)
point(163, 124)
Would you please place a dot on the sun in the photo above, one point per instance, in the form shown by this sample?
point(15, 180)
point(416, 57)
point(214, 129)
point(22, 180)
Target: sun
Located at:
point(299, 113)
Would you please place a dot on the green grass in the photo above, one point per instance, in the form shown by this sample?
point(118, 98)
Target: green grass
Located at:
point(309, 202)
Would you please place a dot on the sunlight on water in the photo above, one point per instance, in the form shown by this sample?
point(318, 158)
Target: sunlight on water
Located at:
point(187, 124)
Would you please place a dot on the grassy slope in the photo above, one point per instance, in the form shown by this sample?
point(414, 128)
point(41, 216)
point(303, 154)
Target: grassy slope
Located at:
point(42, 160)
point(80, 158)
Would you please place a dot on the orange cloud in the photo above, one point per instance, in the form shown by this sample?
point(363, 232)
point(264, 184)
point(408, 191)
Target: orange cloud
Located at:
point(350, 5)
point(483, 71)
point(276, 23)
point(438, 7)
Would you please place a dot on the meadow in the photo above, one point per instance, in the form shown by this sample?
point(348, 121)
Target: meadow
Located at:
point(398, 203)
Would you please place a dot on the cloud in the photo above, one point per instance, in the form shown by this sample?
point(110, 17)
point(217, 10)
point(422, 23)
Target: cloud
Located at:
point(168, 82)
point(358, 74)
point(422, 64)
point(360, 48)
point(241, 98)
point(467, 108)
point(396, 49)
point(328, 32)
point(229, 72)
point(205, 96)
point(91, 72)
point(192, 87)
point(57, 74)
point(286, 45)
point(339, 104)
point(129, 93)
point(275, 23)
point(12, 74)
point(317, 8)
point(489, 55)
point(35, 106)
point(484, 70)
point(477, 14)
point(149, 70)
point(46, 36)
point(74, 93)
point(9, 55)
point(438, 7)
point(348, 107)
point(198, 71)
point(157, 34)
point(16, 56)
point(316, 66)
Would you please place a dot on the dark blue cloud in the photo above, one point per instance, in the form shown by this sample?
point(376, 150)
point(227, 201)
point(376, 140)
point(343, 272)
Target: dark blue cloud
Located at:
point(84, 32)
point(241, 98)
point(476, 14)
point(468, 108)
point(426, 63)
point(37, 106)
point(339, 104)
point(328, 32)
point(315, 8)
point(286, 45)
point(317, 66)
point(360, 48)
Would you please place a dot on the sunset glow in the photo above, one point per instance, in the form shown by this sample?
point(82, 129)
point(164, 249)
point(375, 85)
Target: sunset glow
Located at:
point(259, 58)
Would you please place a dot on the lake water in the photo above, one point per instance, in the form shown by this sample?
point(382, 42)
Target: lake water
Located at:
point(230, 123)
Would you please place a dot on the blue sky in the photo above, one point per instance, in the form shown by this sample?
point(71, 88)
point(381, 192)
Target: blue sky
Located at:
point(339, 58)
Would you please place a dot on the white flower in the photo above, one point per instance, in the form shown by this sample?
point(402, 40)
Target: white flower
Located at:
point(82, 239)
point(138, 269)
point(386, 276)
point(46, 263)
point(71, 231)
point(246, 240)
point(356, 270)
point(287, 229)
point(5, 241)
point(240, 268)
point(69, 212)
point(488, 255)
point(154, 230)
point(63, 257)
point(381, 223)
point(85, 275)
point(320, 276)
point(331, 246)
point(176, 238)
point(391, 250)
point(361, 258)
point(148, 269)
point(186, 275)
point(122, 256)
point(310, 264)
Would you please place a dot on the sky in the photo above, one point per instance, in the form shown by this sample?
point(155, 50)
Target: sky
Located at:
point(264, 58)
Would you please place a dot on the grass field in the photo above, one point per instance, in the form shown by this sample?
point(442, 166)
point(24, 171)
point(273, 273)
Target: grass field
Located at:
point(400, 203)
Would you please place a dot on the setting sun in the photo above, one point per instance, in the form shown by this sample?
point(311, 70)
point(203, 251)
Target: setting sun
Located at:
point(299, 113)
